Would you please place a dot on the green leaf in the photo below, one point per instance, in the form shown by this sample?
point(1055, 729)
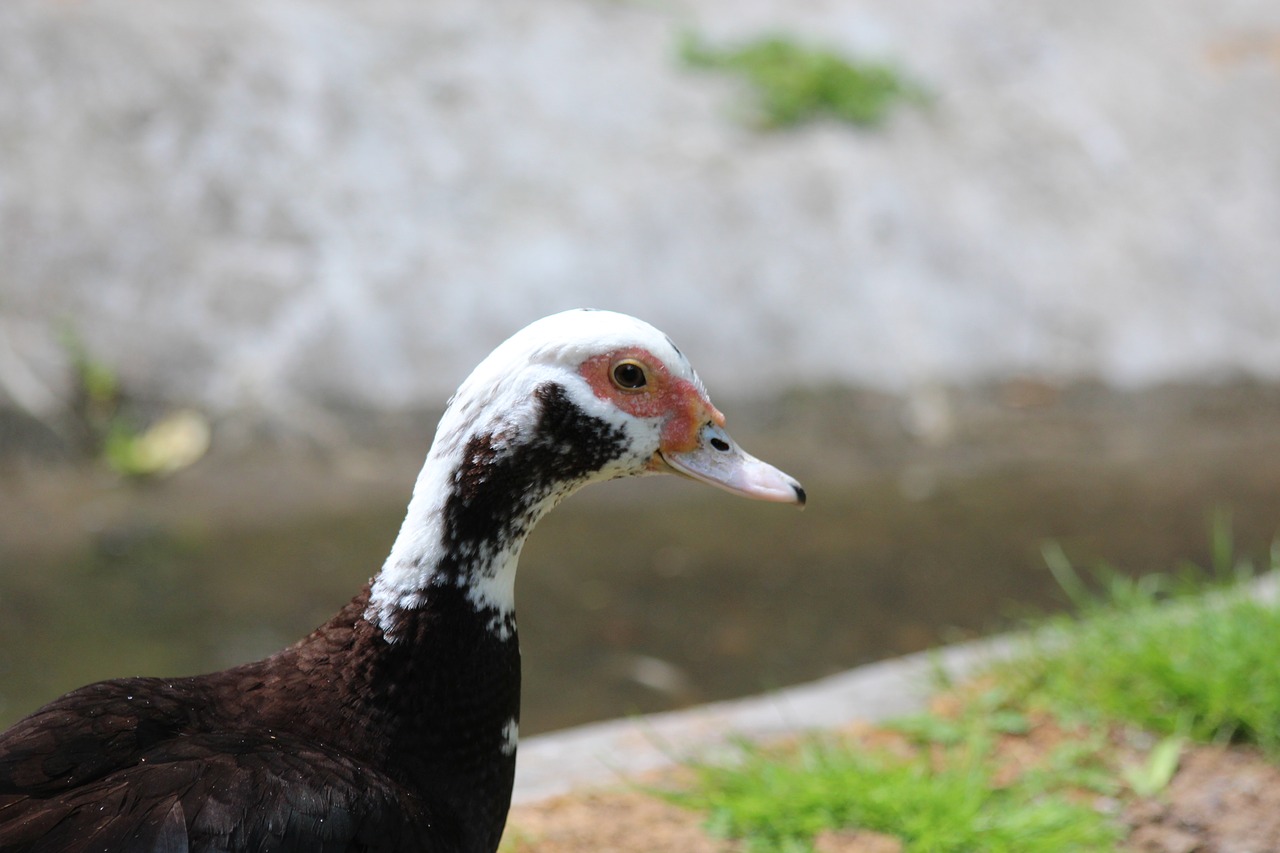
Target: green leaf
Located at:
point(1154, 775)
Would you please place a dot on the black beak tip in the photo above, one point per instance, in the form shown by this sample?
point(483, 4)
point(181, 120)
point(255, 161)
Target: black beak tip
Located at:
point(800, 495)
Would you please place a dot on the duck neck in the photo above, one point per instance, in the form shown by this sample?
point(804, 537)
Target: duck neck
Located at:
point(442, 659)
point(479, 494)
point(460, 542)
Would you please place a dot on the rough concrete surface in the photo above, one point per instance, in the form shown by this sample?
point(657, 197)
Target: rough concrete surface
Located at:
point(276, 206)
point(600, 753)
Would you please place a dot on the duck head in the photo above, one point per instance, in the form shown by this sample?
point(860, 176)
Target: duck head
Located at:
point(574, 398)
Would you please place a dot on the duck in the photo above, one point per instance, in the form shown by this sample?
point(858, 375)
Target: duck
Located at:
point(394, 725)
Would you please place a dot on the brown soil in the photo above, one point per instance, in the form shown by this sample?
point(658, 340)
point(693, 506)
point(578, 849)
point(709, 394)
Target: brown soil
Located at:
point(1221, 800)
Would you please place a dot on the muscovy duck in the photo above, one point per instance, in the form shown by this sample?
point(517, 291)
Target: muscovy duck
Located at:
point(393, 726)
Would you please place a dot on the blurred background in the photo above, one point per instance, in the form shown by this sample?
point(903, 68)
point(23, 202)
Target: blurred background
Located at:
point(983, 275)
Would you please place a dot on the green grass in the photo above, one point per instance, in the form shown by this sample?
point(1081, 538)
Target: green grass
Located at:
point(1174, 655)
point(795, 83)
point(943, 791)
point(1186, 656)
point(779, 803)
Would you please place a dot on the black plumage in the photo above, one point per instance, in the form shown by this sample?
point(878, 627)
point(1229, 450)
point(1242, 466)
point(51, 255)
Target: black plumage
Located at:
point(342, 742)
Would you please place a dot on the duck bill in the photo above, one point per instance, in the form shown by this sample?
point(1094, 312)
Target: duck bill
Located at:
point(717, 460)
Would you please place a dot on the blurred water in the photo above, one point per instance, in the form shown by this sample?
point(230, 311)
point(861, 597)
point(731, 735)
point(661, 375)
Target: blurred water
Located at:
point(647, 595)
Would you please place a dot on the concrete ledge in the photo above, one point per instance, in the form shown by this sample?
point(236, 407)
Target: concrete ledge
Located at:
point(599, 753)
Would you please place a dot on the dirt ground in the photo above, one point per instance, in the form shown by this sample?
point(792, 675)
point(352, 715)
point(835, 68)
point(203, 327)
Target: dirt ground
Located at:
point(1221, 800)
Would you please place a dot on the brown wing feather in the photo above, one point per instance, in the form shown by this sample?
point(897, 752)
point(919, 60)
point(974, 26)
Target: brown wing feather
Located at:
point(125, 766)
point(91, 731)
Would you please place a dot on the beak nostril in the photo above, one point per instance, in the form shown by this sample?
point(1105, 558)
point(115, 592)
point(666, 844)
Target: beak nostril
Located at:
point(719, 444)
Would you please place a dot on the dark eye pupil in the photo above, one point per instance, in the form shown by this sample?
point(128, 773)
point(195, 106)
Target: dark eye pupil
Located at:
point(629, 375)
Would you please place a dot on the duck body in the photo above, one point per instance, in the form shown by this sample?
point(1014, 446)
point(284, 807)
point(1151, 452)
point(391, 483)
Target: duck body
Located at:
point(393, 726)
point(343, 742)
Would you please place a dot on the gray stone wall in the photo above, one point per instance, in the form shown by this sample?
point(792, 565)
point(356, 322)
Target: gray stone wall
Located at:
point(256, 205)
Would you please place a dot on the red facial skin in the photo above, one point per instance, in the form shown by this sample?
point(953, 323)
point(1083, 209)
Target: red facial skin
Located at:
point(684, 407)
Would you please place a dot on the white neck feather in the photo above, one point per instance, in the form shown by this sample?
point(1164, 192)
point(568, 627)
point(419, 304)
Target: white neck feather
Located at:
point(414, 565)
point(427, 554)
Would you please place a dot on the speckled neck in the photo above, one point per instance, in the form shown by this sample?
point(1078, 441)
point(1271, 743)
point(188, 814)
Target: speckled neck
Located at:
point(479, 494)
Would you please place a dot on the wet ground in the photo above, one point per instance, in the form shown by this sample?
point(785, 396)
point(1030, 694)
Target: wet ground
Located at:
point(925, 523)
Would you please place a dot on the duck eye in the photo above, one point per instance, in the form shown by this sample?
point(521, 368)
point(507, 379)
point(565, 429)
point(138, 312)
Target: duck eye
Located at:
point(629, 375)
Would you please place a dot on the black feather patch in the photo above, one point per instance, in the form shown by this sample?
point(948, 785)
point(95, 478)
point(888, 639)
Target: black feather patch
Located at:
point(500, 481)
